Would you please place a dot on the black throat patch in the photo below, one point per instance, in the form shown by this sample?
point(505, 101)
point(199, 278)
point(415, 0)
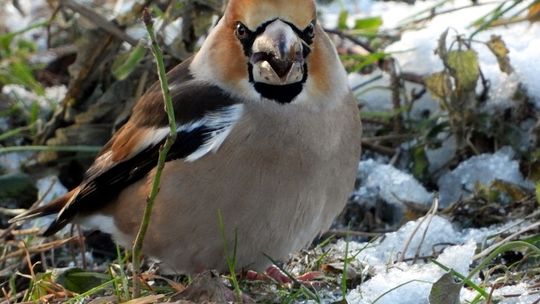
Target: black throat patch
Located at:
point(280, 93)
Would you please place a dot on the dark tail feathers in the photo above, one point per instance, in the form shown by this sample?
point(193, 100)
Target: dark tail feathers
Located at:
point(50, 208)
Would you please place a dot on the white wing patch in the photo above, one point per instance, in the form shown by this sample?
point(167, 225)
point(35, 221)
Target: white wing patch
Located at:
point(222, 122)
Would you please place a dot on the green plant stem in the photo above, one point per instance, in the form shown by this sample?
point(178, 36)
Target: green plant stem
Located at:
point(345, 266)
point(138, 243)
point(465, 280)
point(503, 248)
point(496, 15)
point(231, 261)
point(15, 132)
point(83, 149)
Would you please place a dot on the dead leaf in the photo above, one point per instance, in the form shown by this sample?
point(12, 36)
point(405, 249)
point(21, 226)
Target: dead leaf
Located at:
point(205, 288)
point(464, 69)
point(337, 268)
point(445, 291)
point(533, 14)
point(515, 192)
point(104, 300)
point(146, 300)
point(497, 46)
point(439, 85)
point(441, 47)
point(178, 287)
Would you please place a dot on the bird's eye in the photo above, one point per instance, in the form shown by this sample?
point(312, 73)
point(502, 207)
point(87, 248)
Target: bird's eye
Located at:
point(242, 31)
point(309, 32)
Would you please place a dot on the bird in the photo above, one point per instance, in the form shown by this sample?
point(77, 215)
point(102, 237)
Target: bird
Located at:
point(268, 142)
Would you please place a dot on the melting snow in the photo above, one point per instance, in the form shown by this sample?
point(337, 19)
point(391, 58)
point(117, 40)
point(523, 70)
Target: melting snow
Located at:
point(482, 169)
point(390, 184)
point(406, 283)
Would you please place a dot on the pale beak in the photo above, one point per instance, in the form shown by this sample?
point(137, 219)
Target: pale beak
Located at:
point(277, 55)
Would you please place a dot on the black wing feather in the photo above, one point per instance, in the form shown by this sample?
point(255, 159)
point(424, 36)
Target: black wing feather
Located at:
point(97, 192)
point(192, 101)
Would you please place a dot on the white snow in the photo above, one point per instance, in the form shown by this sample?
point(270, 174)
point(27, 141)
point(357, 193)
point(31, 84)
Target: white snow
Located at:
point(415, 280)
point(407, 283)
point(51, 97)
point(390, 184)
point(484, 169)
point(414, 51)
point(439, 157)
point(49, 188)
point(11, 162)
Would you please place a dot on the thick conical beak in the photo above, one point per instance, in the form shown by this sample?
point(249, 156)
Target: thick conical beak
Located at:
point(277, 56)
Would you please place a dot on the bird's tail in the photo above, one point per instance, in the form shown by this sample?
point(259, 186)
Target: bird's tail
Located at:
point(50, 208)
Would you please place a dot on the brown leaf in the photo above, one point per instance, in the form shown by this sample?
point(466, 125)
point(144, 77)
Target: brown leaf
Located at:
point(445, 291)
point(533, 15)
point(441, 47)
point(337, 268)
point(439, 85)
point(497, 46)
point(205, 288)
point(515, 192)
point(146, 300)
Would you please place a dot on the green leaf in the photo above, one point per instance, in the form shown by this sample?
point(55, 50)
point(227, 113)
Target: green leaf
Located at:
point(497, 46)
point(445, 291)
point(342, 20)
point(127, 62)
point(464, 69)
point(38, 286)
point(26, 46)
point(439, 85)
point(538, 192)
point(384, 116)
point(79, 281)
point(420, 162)
point(371, 23)
point(356, 62)
point(21, 73)
point(5, 43)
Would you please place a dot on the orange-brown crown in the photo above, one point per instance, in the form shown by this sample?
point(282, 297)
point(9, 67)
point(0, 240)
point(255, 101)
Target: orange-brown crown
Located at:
point(253, 13)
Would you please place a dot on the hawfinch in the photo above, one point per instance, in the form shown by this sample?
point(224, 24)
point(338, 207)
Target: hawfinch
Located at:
point(268, 135)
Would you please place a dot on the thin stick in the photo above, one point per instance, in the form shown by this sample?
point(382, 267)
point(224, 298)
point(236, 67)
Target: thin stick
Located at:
point(430, 215)
point(138, 243)
point(84, 149)
point(415, 230)
point(504, 241)
point(98, 20)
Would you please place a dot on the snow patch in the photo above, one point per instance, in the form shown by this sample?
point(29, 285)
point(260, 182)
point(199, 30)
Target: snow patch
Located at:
point(390, 184)
point(415, 280)
point(483, 169)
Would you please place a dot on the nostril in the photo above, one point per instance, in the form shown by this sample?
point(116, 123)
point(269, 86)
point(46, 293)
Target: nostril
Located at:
point(280, 66)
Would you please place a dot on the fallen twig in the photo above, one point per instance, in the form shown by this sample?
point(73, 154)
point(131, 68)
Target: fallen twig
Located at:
point(378, 148)
point(428, 216)
point(38, 248)
point(351, 38)
point(505, 240)
point(98, 20)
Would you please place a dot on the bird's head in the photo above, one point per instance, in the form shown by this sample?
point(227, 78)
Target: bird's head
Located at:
point(271, 49)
